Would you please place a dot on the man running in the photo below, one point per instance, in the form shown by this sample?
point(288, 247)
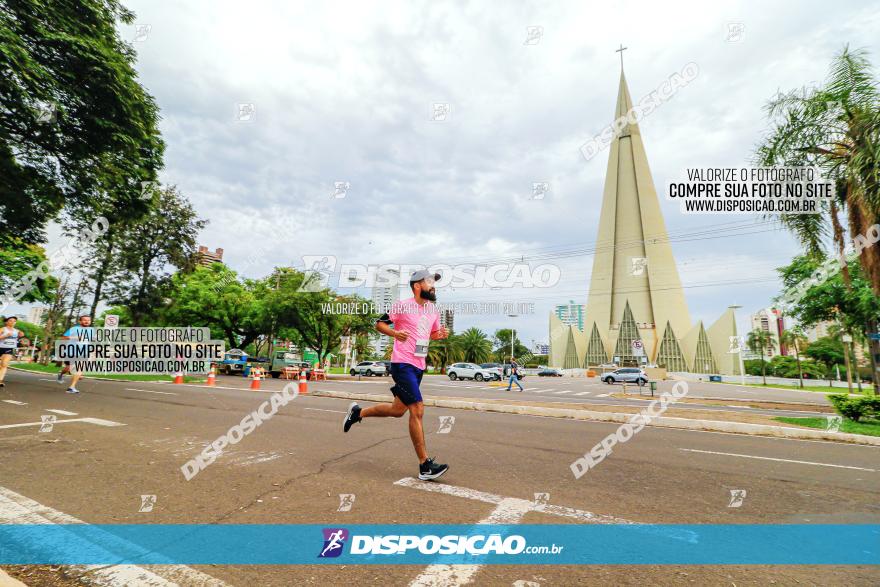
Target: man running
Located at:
point(74, 334)
point(9, 337)
point(416, 322)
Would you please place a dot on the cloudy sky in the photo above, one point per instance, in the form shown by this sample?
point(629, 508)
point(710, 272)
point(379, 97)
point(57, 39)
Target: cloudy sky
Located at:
point(344, 91)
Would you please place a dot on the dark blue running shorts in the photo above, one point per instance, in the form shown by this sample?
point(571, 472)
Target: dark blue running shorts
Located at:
point(407, 379)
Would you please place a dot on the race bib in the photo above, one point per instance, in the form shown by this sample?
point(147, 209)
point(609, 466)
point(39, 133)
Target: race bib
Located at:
point(421, 347)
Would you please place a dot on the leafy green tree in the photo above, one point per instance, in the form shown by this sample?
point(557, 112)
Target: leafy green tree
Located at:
point(165, 235)
point(213, 297)
point(71, 110)
point(794, 339)
point(17, 260)
point(308, 314)
point(758, 341)
point(444, 351)
point(475, 346)
point(827, 350)
point(501, 344)
point(836, 128)
point(830, 300)
point(31, 330)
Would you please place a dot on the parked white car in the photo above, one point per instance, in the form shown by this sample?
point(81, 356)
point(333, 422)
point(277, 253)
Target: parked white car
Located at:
point(631, 375)
point(469, 371)
point(369, 368)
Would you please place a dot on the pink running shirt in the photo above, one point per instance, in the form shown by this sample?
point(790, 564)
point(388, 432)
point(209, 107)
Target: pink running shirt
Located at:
point(419, 321)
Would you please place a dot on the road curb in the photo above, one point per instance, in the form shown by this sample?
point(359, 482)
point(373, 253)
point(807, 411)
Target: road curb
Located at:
point(90, 377)
point(661, 422)
point(734, 399)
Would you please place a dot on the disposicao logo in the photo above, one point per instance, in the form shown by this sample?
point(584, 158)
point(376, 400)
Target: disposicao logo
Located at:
point(334, 541)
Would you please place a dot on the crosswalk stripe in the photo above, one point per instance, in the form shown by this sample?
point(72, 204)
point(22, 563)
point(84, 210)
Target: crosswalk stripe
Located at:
point(584, 393)
point(561, 392)
point(62, 412)
point(12, 401)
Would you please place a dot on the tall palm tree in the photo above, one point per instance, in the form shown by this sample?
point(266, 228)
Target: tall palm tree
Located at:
point(835, 127)
point(444, 351)
point(794, 338)
point(758, 340)
point(475, 346)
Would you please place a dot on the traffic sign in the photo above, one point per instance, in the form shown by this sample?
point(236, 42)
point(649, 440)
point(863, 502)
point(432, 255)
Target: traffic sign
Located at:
point(874, 335)
point(111, 321)
point(637, 348)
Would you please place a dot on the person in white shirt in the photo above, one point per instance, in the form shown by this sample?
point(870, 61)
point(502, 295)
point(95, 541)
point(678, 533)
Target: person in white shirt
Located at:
point(9, 337)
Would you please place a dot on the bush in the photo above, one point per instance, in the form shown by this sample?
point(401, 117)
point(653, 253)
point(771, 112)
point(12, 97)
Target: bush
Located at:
point(753, 366)
point(855, 408)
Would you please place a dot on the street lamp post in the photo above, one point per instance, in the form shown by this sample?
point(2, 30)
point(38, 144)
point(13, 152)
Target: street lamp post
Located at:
point(512, 333)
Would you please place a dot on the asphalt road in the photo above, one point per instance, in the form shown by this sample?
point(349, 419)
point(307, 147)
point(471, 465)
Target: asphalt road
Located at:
point(293, 468)
point(588, 391)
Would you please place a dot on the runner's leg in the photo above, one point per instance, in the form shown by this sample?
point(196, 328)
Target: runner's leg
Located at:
point(4, 362)
point(394, 410)
point(77, 375)
point(417, 431)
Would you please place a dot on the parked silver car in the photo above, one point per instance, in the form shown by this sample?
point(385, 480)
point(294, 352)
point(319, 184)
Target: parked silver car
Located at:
point(369, 368)
point(469, 371)
point(626, 374)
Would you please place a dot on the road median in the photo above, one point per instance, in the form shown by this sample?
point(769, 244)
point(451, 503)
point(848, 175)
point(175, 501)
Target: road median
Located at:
point(749, 424)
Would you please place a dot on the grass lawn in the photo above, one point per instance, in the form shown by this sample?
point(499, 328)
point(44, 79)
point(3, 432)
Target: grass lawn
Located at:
point(820, 389)
point(867, 427)
point(53, 369)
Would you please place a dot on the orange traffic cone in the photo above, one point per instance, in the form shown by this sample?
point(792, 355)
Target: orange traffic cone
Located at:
point(255, 382)
point(212, 377)
point(178, 377)
point(303, 385)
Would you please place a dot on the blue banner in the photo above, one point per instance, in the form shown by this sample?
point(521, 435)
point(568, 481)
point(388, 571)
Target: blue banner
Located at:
point(525, 544)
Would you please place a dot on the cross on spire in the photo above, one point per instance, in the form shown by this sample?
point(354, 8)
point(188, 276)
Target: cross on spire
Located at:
point(621, 50)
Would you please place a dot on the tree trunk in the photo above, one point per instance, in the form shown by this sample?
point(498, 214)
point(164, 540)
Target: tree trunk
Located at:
point(74, 304)
point(840, 239)
point(763, 367)
point(101, 274)
point(798, 358)
point(874, 350)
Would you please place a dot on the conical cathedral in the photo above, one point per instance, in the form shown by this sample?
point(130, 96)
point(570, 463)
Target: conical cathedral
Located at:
point(635, 292)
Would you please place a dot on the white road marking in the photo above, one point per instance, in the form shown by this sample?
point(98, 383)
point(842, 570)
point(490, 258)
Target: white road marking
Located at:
point(584, 393)
point(149, 391)
point(730, 454)
point(602, 395)
point(12, 401)
point(483, 496)
point(44, 379)
point(96, 421)
point(561, 392)
point(18, 509)
point(61, 412)
point(508, 510)
point(537, 390)
point(322, 410)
